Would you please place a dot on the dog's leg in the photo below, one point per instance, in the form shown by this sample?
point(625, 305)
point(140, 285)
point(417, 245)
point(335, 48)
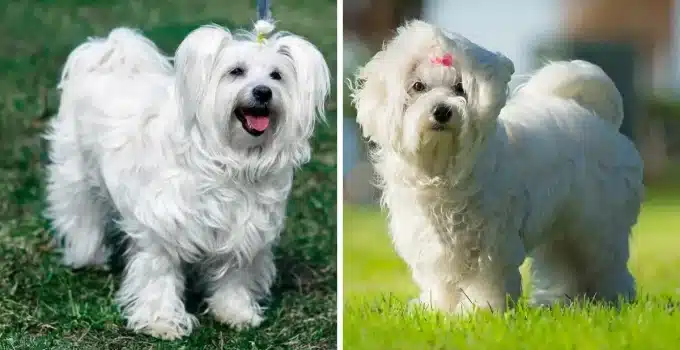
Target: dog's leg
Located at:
point(554, 273)
point(447, 289)
point(496, 284)
point(435, 292)
point(78, 217)
point(615, 284)
point(605, 274)
point(151, 294)
point(235, 296)
point(491, 291)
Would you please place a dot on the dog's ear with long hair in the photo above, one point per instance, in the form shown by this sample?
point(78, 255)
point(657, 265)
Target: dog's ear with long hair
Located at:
point(379, 92)
point(485, 76)
point(371, 92)
point(312, 74)
point(194, 63)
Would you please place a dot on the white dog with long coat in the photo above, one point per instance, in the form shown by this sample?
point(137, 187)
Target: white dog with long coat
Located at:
point(475, 181)
point(196, 160)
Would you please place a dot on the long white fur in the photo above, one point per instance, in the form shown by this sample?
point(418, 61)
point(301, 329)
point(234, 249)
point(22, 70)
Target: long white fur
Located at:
point(544, 173)
point(159, 147)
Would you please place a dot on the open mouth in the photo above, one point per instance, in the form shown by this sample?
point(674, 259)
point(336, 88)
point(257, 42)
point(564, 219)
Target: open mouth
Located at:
point(255, 120)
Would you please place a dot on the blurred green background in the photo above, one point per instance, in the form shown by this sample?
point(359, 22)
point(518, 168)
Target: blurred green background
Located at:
point(45, 306)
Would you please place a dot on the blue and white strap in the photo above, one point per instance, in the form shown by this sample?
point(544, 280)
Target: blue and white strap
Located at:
point(265, 22)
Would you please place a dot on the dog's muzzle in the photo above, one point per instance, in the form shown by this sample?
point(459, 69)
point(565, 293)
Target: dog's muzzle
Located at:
point(442, 115)
point(256, 116)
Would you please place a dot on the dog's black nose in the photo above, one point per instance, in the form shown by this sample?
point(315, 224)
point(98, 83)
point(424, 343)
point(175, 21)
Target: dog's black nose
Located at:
point(262, 93)
point(442, 114)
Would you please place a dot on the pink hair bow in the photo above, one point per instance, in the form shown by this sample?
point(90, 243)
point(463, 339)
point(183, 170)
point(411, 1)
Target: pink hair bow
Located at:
point(446, 60)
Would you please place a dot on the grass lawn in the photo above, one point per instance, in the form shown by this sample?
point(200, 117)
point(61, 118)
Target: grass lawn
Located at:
point(45, 306)
point(377, 285)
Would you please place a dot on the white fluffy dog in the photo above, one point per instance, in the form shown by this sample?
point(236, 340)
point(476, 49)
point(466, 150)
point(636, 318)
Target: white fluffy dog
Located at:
point(473, 183)
point(195, 160)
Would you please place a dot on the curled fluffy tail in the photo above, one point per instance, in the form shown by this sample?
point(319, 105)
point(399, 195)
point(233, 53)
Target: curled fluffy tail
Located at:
point(585, 83)
point(124, 51)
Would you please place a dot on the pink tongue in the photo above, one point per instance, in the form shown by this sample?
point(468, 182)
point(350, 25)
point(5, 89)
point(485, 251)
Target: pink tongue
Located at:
point(259, 123)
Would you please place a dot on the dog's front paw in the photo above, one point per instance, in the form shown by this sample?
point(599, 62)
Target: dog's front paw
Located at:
point(76, 257)
point(420, 304)
point(165, 330)
point(426, 303)
point(165, 326)
point(241, 322)
point(465, 309)
point(240, 316)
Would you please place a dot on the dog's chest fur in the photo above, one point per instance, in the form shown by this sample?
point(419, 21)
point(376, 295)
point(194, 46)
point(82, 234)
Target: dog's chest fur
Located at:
point(447, 221)
point(239, 219)
point(429, 222)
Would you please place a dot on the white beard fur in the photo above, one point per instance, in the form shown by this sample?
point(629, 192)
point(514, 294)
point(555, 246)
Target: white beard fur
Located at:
point(545, 175)
point(148, 142)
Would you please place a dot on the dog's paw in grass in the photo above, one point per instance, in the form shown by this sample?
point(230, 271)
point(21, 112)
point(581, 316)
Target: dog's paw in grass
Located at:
point(165, 327)
point(239, 312)
point(242, 322)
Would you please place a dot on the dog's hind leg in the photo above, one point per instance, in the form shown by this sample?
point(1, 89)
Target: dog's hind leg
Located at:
point(77, 212)
point(235, 294)
point(595, 270)
point(606, 276)
point(554, 273)
point(613, 283)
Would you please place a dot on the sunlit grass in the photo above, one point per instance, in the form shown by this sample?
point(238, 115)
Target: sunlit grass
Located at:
point(377, 286)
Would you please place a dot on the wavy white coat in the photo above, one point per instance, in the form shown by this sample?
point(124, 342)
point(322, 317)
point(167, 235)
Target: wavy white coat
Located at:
point(545, 174)
point(158, 147)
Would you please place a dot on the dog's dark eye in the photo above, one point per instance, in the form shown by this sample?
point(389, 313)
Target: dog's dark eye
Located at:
point(458, 89)
point(237, 72)
point(418, 86)
point(275, 75)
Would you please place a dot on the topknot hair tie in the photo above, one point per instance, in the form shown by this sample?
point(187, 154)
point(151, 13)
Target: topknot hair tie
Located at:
point(265, 23)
